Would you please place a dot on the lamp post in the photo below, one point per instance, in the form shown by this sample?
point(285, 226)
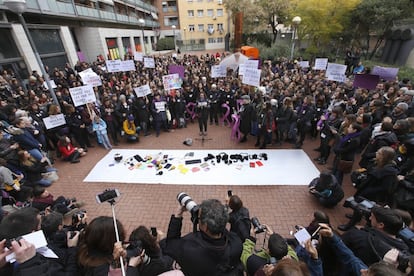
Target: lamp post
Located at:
point(295, 23)
point(19, 7)
point(175, 42)
point(142, 23)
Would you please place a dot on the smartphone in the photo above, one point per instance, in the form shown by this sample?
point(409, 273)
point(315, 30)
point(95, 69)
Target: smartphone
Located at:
point(138, 158)
point(107, 195)
point(167, 166)
point(229, 193)
point(154, 231)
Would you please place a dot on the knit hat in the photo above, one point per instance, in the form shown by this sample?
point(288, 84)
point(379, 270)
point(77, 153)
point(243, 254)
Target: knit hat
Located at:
point(245, 97)
point(403, 106)
point(130, 117)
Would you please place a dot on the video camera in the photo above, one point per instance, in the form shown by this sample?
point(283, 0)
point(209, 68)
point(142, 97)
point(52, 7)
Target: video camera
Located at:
point(192, 207)
point(360, 204)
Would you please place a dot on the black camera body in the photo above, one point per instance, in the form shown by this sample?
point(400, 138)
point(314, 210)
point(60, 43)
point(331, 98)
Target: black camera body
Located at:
point(359, 204)
point(78, 216)
point(134, 249)
point(258, 227)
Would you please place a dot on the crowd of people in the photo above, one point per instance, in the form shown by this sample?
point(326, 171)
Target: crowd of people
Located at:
point(292, 102)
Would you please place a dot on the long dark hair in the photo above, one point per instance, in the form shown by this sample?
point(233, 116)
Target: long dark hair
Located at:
point(149, 242)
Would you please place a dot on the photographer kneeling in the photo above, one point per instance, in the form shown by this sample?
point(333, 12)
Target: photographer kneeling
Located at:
point(211, 250)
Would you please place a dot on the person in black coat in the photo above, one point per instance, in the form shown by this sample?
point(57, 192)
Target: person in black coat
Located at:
point(202, 110)
point(326, 189)
point(143, 113)
point(210, 251)
point(284, 118)
point(239, 218)
point(247, 115)
point(305, 113)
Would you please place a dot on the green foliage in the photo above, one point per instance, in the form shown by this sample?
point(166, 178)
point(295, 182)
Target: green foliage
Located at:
point(403, 72)
point(272, 53)
point(165, 43)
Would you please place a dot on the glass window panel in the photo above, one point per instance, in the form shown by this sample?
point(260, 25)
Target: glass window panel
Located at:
point(8, 48)
point(47, 41)
point(56, 61)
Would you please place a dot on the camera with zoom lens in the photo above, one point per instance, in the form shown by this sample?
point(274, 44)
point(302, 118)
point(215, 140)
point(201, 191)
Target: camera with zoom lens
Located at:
point(192, 207)
point(78, 216)
point(134, 249)
point(258, 228)
point(360, 204)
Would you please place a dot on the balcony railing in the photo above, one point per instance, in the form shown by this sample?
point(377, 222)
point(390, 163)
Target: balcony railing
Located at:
point(71, 9)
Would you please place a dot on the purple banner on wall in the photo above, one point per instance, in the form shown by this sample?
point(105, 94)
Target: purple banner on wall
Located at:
point(176, 69)
point(81, 56)
point(366, 81)
point(386, 73)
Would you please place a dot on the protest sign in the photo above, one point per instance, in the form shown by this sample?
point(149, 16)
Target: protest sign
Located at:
point(242, 69)
point(386, 73)
point(149, 62)
point(127, 65)
point(82, 95)
point(138, 56)
point(142, 91)
point(54, 121)
point(251, 63)
point(366, 81)
point(252, 76)
point(113, 66)
point(320, 64)
point(89, 77)
point(176, 69)
point(336, 72)
point(218, 71)
point(160, 106)
point(52, 84)
point(304, 64)
point(171, 81)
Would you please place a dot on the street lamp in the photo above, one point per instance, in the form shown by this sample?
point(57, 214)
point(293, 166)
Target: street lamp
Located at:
point(142, 23)
point(175, 42)
point(19, 7)
point(295, 23)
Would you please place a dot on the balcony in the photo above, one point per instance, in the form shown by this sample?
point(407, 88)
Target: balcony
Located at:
point(65, 8)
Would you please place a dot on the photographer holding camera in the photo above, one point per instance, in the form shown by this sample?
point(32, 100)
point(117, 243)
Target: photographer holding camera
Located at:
point(239, 217)
point(209, 251)
point(277, 249)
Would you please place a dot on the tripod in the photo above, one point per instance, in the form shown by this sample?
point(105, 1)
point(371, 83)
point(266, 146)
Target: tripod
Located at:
point(203, 138)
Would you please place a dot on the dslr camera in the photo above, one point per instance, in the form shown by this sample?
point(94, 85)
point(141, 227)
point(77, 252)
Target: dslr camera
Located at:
point(258, 227)
point(360, 204)
point(134, 249)
point(192, 207)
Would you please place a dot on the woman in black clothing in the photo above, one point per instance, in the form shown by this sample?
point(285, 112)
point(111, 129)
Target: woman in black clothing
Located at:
point(265, 120)
point(284, 119)
point(202, 109)
point(109, 116)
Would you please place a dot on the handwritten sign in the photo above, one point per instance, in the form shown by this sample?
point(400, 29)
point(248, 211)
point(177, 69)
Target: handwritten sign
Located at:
point(149, 62)
point(138, 56)
point(336, 72)
point(82, 95)
point(54, 121)
point(252, 76)
point(172, 81)
point(142, 91)
point(386, 73)
point(113, 66)
point(160, 106)
point(89, 77)
point(304, 64)
point(218, 71)
point(320, 64)
point(127, 65)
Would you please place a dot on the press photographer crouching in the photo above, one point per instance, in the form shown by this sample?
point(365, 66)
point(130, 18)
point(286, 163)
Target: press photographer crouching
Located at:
point(372, 242)
point(326, 189)
point(239, 217)
point(277, 248)
point(210, 250)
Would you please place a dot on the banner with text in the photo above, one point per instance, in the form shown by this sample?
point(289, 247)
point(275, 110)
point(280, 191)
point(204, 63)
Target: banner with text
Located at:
point(138, 56)
point(54, 121)
point(218, 71)
point(149, 62)
point(82, 95)
point(304, 64)
point(89, 77)
point(386, 73)
point(320, 64)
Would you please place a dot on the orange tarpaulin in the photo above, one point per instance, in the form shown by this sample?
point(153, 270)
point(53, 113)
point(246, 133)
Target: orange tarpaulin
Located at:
point(250, 52)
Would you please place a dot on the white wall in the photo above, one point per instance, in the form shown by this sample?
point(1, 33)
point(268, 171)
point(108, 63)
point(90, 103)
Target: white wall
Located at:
point(24, 47)
point(69, 45)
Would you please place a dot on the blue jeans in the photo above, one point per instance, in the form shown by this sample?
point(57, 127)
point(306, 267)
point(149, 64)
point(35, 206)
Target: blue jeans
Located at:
point(36, 154)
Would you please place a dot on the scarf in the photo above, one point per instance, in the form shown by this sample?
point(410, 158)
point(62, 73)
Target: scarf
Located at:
point(347, 137)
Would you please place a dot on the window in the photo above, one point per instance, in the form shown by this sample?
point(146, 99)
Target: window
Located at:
point(220, 40)
point(200, 13)
point(191, 28)
point(219, 12)
point(211, 40)
point(210, 12)
point(201, 27)
point(210, 26)
point(220, 27)
point(190, 13)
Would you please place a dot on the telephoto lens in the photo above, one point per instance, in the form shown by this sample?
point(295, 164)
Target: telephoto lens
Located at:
point(185, 200)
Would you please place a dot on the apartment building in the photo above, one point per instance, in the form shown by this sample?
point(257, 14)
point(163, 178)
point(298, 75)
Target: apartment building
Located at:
point(71, 30)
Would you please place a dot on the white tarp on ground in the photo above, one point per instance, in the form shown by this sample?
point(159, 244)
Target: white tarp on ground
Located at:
point(283, 167)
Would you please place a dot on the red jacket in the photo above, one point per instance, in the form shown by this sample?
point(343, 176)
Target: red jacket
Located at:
point(66, 151)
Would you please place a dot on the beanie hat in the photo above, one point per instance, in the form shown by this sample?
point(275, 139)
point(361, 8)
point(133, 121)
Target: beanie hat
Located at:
point(403, 106)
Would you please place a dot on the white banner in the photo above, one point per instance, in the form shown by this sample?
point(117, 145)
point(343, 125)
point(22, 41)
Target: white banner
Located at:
point(242, 69)
point(82, 95)
point(320, 64)
point(218, 71)
point(172, 81)
point(127, 65)
point(252, 76)
point(160, 106)
point(251, 63)
point(336, 72)
point(304, 64)
point(89, 77)
point(52, 84)
point(54, 121)
point(138, 56)
point(149, 62)
point(142, 91)
point(113, 66)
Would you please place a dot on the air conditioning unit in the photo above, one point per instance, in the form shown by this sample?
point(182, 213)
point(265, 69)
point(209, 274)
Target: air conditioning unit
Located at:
point(220, 2)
